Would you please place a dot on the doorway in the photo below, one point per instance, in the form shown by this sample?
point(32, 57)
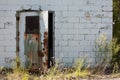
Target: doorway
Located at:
point(35, 38)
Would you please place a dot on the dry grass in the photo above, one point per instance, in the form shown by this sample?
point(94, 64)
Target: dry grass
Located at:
point(54, 73)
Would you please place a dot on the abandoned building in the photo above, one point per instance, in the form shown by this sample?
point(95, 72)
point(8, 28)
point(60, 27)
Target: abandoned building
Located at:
point(39, 31)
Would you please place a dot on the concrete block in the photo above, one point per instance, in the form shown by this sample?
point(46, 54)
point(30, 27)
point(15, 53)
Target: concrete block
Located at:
point(77, 24)
point(68, 60)
point(7, 43)
point(107, 2)
point(90, 37)
point(85, 42)
point(73, 43)
point(3, 2)
point(68, 37)
point(78, 37)
point(2, 37)
point(107, 8)
point(10, 37)
point(68, 26)
point(68, 49)
point(80, 26)
point(10, 49)
point(2, 49)
point(73, 20)
point(63, 43)
point(106, 20)
point(95, 20)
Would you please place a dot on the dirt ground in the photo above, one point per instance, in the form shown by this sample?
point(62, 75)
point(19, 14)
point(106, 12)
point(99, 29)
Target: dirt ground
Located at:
point(93, 77)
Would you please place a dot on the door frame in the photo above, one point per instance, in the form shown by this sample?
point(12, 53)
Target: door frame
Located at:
point(51, 54)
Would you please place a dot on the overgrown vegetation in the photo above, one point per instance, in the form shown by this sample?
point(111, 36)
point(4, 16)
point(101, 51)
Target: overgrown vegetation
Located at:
point(102, 52)
point(106, 56)
point(116, 35)
point(115, 61)
point(78, 71)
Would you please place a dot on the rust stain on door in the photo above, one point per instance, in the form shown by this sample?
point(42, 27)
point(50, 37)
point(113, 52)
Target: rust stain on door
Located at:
point(33, 42)
point(45, 50)
point(31, 48)
point(34, 52)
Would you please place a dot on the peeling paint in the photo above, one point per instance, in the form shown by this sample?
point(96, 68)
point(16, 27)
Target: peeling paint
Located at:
point(31, 48)
point(33, 39)
point(87, 15)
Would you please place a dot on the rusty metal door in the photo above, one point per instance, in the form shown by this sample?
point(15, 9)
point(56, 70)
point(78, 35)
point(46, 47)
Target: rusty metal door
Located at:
point(33, 38)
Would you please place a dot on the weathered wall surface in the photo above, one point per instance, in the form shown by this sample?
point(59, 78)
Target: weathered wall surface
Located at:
point(77, 24)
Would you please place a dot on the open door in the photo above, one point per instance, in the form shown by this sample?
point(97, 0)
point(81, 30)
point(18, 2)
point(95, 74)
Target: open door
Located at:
point(35, 38)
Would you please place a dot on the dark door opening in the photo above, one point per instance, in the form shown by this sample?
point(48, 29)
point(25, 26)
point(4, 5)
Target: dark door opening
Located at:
point(51, 38)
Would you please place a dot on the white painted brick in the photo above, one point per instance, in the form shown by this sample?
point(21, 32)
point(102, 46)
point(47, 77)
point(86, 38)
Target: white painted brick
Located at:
point(73, 43)
point(109, 37)
point(2, 49)
point(106, 20)
point(83, 20)
point(7, 43)
point(79, 13)
point(74, 33)
point(108, 16)
point(92, 25)
point(10, 13)
point(10, 49)
point(67, 26)
point(92, 8)
point(58, 26)
point(10, 55)
point(7, 31)
point(89, 48)
point(64, 20)
point(10, 25)
point(13, 2)
point(12, 7)
point(73, 20)
point(68, 49)
point(58, 49)
point(4, 7)
point(67, 2)
point(107, 8)
point(63, 43)
point(86, 31)
point(90, 37)
point(70, 32)
point(85, 42)
point(59, 7)
point(95, 20)
point(68, 37)
point(74, 8)
point(2, 37)
point(64, 31)
point(108, 31)
point(79, 48)
point(107, 2)
point(10, 37)
point(3, 13)
point(73, 54)
point(3, 2)
point(78, 37)
point(68, 60)
point(79, 26)
point(58, 37)
point(58, 14)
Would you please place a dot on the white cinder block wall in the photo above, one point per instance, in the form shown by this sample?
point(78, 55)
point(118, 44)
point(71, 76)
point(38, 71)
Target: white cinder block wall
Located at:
point(77, 24)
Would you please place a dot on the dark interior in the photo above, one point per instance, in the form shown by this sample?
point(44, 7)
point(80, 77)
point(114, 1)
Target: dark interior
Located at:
point(50, 38)
point(32, 25)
